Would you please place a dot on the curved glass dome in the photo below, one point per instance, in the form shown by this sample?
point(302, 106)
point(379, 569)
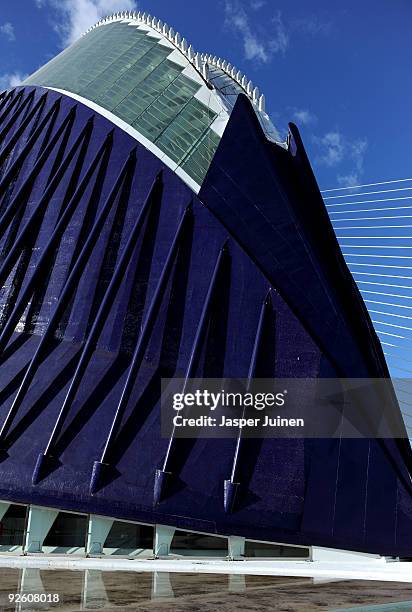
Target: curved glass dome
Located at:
point(153, 85)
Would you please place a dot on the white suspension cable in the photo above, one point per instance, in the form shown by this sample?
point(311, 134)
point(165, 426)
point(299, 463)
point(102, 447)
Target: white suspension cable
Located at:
point(366, 185)
point(405, 297)
point(353, 195)
point(382, 276)
point(362, 282)
point(393, 325)
point(374, 227)
point(385, 314)
point(407, 381)
point(403, 378)
point(404, 405)
point(376, 256)
point(374, 246)
point(350, 206)
point(401, 348)
point(346, 212)
point(399, 389)
point(402, 370)
point(354, 263)
point(389, 314)
point(397, 358)
point(380, 332)
point(369, 201)
point(408, 389)
point(370, 218)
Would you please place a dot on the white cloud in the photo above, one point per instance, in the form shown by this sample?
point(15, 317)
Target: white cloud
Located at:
point(256, 5)
point(336, 149)
point(7, 30)
point(10, 80)
point(257, 45)
point(332, 148)
point(348, 180)
point(358, 151)
point(280, 42)
point(312, 25)
point(72, 18)
point(237, 18)
point(304, 116)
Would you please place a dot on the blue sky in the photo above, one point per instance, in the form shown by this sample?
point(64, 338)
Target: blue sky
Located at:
point(341, 71)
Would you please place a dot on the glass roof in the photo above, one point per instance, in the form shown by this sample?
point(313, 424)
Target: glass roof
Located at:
point(141, 78)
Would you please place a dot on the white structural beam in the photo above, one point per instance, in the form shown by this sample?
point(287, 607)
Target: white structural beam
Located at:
point(38, 526)
point(236, 547)
point(4, 506)
point(334, 555)
point(97, 531)
point(163, 540)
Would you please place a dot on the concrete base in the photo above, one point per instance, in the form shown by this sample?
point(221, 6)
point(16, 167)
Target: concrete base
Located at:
point(367, 570)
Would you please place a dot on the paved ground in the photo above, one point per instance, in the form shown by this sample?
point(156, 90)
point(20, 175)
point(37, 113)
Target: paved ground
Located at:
point(181, 592)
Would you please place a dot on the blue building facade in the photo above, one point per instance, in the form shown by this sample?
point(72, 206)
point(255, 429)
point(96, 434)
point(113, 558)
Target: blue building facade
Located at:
point(124, 262)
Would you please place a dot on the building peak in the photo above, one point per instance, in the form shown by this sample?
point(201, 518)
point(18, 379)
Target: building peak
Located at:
point(200, 61)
